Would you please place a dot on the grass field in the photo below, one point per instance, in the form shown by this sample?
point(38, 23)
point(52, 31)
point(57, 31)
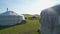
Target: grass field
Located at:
point(30, 27)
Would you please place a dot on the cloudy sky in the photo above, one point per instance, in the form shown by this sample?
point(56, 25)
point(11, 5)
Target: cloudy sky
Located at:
point(26, 6)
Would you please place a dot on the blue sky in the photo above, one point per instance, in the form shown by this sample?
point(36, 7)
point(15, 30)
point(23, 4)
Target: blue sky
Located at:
point(26, 6)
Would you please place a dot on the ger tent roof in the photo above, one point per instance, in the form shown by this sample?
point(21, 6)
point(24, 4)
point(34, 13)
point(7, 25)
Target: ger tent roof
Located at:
point(8, 13)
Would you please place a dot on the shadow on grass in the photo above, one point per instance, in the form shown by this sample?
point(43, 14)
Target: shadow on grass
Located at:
point(3, 27)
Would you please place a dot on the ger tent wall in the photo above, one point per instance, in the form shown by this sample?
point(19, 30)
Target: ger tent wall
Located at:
point(10, 20)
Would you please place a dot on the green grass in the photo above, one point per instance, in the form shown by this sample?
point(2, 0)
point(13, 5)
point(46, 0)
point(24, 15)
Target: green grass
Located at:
point(30, 27)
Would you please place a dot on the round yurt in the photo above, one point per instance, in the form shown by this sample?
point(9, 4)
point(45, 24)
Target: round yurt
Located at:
point(10, 18)
point(50, 20)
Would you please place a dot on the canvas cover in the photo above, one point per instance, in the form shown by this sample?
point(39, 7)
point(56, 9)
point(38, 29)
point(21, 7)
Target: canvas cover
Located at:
point(10, 18)
point(50, 20)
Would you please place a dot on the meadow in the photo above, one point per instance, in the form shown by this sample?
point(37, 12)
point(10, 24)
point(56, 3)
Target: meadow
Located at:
point(30, 27)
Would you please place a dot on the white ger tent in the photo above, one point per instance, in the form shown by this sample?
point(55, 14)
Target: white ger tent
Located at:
point(10, 18)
